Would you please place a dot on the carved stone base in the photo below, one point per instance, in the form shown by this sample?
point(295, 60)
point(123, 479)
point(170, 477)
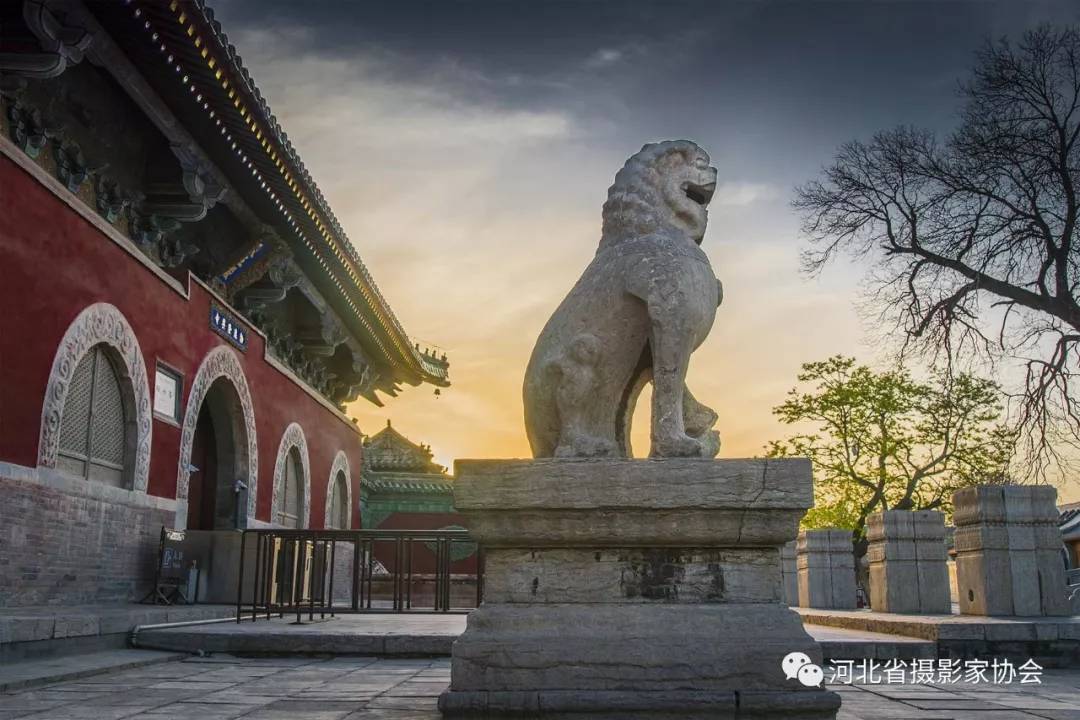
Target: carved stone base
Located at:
point(635, 704)
point(633, 589)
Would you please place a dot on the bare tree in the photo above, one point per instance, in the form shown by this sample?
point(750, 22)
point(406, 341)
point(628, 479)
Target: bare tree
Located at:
point(975, 237)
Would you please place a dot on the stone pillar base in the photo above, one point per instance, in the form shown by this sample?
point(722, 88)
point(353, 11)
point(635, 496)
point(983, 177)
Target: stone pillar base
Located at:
point(826, 568)
point(632, 660)
point(633, 589)
point(909, 570)
point(1008, 551)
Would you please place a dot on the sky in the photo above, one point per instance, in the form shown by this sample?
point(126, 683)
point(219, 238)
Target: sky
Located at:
point(467, 148)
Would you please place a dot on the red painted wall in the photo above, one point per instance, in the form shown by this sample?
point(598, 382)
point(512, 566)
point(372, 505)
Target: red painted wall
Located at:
point(53, 263)
point(422, 521)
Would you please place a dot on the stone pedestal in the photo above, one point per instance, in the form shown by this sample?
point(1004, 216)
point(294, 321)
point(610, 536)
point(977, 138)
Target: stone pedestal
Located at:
point(789, 572)
point(826, 566)
point(632, 589)
point(908, 563)
point(1008, 551)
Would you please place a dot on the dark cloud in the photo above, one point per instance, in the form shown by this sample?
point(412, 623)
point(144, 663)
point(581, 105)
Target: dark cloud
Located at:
point(810, 72)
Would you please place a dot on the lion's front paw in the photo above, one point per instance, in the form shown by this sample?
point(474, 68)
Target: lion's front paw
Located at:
point(710, 444)
point(678, 446)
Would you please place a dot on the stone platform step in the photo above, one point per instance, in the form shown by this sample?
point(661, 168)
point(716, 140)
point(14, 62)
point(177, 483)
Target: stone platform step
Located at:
point(841, 644)
point(432, 635)
point(39, 633)
point(387, 635)
point(33, 673)
point(1050, 641)
point(948, 627)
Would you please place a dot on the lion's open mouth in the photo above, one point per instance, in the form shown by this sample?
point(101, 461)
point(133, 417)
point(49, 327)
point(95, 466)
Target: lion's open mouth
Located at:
point(701, 194)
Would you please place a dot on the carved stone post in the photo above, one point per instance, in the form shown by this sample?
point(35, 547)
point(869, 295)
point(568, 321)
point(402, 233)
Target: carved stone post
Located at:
point(1008, 551)
point(908, 564)
point(633, 589)
point(826, 569)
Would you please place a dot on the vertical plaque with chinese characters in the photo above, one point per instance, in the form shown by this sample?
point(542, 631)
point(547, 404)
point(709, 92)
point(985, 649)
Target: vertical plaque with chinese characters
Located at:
point(229, 327)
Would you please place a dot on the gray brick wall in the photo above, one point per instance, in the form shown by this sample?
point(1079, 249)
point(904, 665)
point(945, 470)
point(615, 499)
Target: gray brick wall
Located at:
point(73, 545)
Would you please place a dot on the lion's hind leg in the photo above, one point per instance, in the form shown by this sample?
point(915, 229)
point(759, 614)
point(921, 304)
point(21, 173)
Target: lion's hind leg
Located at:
point(577, 384)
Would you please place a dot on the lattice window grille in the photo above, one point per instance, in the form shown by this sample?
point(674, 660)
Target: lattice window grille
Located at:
point(339, 510)
point(93, 428)
point(292, 492)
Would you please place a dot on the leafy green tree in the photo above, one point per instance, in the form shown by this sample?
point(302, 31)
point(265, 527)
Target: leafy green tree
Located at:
point(882, 440)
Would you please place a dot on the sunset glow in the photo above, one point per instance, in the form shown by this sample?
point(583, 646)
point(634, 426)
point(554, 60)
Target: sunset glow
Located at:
point(472, 183)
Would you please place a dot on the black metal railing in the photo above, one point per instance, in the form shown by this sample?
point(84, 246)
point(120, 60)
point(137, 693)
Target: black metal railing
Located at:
point(294, 571)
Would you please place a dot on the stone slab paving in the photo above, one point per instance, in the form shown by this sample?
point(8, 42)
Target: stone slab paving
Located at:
point(23, 674)
point(223, 687)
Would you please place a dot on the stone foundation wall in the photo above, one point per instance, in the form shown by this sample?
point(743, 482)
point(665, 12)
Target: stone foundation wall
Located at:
point(65, 541)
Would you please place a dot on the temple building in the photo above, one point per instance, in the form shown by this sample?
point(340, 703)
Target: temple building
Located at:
point(184, 319)
point(402, 486)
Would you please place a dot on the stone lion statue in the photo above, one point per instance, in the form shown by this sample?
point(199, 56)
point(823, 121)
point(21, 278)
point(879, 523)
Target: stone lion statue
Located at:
point(643, 305)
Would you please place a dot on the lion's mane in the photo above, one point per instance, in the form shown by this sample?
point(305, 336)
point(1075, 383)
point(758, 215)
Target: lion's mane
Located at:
point(635, 205)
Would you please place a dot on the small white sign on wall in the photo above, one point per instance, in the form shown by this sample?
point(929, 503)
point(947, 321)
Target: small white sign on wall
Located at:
point(167, 394)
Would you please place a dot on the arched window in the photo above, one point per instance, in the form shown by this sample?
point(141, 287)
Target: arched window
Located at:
point(292, 491)
point(338, 517)
point(94, 426)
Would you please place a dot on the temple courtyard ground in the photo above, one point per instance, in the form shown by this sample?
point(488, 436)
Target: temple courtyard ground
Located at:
point(221, 687)
point(279, 669)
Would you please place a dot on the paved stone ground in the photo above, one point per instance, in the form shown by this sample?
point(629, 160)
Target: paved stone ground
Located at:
point(357, 688)
point(1057, 698)
point(225, 687)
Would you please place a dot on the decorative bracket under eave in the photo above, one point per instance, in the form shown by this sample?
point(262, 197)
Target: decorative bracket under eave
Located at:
point(61, 45)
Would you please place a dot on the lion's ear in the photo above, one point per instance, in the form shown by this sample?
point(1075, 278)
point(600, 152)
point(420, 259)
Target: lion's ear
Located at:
point(719, 292)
